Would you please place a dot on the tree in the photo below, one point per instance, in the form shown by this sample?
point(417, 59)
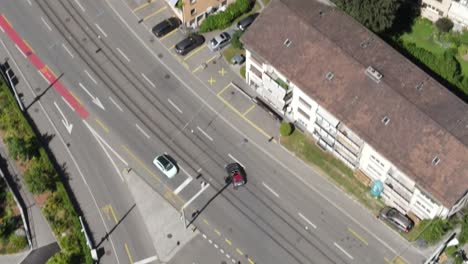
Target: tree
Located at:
point(40, 176)
point(377, 15)
point(286, 129)
point(444, 24)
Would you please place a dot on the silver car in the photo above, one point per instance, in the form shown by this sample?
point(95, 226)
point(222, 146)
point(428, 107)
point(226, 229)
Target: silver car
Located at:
point(165, 165)
point(219, 41)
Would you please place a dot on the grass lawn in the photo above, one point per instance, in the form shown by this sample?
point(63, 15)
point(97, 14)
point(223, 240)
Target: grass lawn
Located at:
point(463, 65)
point(242, 71)
point(229, 52)
point(343, 176)
point(266, 2)
point(422, 34)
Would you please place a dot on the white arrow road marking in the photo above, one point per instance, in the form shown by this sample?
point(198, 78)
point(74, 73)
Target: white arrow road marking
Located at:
point(95, 99)
point(67, 125)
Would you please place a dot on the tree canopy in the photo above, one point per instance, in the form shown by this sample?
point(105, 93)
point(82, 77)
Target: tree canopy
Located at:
point(377, 15)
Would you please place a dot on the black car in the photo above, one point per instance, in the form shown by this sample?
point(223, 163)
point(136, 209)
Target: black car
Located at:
point(397, 219)
point(236, 175)
point(244, 23)
point(189, 43)
point(166, 26)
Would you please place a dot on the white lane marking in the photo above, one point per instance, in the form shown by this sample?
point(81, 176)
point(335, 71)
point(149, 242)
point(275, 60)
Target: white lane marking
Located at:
point(20, 51)
point(227, 256)
point(100, 29)
point(115, 103)
point(123, 54)
point(232, 157)
point(174, 105)
point(307, 220)
point(204, 133)
point(209, 240)
point(270, 189)
point(148, 80)
point(69, 52)
point(2, 30)
point(204, 236)
point(66, 149)
point(269, 155)
point(146, 260)
point(342, 250)
point(183, 185)
point(29, 2)
point(91, 77)
point(182, 168)
point(142, 131)
point(216, 246)
point(69, 105)
point(45, 23)
point(79, 4)
point(222, 251)
point(47, 81)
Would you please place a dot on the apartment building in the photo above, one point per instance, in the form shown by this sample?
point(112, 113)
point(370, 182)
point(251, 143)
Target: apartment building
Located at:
point(364, 102)
point(193, 12)
point(458, 13)
point(435, 9)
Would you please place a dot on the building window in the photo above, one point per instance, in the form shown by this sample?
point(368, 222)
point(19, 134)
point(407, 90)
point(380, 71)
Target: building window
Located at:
point(304, 103)
point(224, 3)
point(303, 113)
point(193, 12)
point(378, 162)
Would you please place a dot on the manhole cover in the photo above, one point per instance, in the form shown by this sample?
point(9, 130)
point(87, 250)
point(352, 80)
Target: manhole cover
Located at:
point(167, 76)
point(169, 235)
point(246, 140)
point(160, 55)
point(232, 92)
point(67, 19)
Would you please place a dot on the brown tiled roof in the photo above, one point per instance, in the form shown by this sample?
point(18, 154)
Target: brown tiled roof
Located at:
point(423, 123)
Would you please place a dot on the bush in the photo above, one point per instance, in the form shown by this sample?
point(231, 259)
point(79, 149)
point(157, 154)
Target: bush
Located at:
point(444, 24)
point(16, 243)
point(435, 230)
point(223, 19)
point(235, 41)
point(40, 175)
point(21, 148)
point(286, 129)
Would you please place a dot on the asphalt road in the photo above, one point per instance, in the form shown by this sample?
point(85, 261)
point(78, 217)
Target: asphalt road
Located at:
point(151, 102)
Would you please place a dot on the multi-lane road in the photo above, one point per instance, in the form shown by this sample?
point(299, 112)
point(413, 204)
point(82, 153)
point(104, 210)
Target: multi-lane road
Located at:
point(143, 100)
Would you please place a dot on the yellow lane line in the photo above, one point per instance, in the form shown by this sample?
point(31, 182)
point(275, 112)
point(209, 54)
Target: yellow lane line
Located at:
point(217, 232)
point(212, 58)
point(171, 47)
point(194, 52)
point(105, 209)
point(224, 89)
point(170, 33)
point(102, 125)
point(250, 261)
point(29, 46)
point(228, 241)
point(113, 213)
point(240, 251)
point(8, 21)
point(155, 13)
point(76, 98)
point(141, 163)
point(358, 236)
point(142, 6)
point(206, 222)
point(248, 110)
point(197, 69)
point(128, 253)
point(246, 119)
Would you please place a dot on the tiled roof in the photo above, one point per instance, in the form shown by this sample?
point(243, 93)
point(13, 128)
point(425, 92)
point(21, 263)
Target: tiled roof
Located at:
point(424, 123)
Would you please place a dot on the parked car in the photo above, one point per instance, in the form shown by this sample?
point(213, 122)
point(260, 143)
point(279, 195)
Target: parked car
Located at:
point(238, 59)
point(166, 26)
point(165, 165)
point(219, 41)
point(236, 175)
point(396, 218)
point(189, 43)
point(244, 23)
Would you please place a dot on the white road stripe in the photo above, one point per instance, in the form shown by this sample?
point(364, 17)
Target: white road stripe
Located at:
point(69, 52)
point(148, 80)
point(183, 185)
point(81, 7)
point(270, 189)
point(29, 2)
point(204, 133)
point(115, 103)
point(174, 105)
point(45, 23)
point(20, 50)
point(307, 220)
point(47, 81)
point(142, 131)
point(73, 109)
point(91, 77)
point(216, 246)
point(109, 157)
point(100, 29)
point(2, 30)
point(342, 250)
point(123, 54)
point(204, 236)
point(146, 260)
point(232, 157)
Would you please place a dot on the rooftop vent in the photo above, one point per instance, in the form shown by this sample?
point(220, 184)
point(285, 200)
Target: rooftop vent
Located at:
point(419, 86)
point(321, 13)
point(386, 120)
point(366, 43)
point(435, 160)
point(329, 76)
point(374, 74)
point(287, 43)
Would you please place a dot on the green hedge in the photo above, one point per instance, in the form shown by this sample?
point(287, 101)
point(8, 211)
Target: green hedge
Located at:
point(40, 176)
point(223, 19)
point(435, 229)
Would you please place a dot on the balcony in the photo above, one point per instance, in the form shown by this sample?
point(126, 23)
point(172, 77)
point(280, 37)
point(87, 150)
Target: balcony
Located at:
point(399, 189)
point(325, 126)
point(348, 143)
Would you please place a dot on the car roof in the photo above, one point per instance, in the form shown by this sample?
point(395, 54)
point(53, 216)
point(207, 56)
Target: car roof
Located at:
point(237, 177)
point(163, 160)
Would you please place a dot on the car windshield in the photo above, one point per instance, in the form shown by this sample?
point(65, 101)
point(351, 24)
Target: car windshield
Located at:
point(214, 42)
point(165, 163)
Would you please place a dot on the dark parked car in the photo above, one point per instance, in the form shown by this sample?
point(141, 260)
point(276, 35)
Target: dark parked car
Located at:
point(244, 23)
point(236, 174)
point(238, 59)
point(166, 26)
point(397, 219)
point(189, 43)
